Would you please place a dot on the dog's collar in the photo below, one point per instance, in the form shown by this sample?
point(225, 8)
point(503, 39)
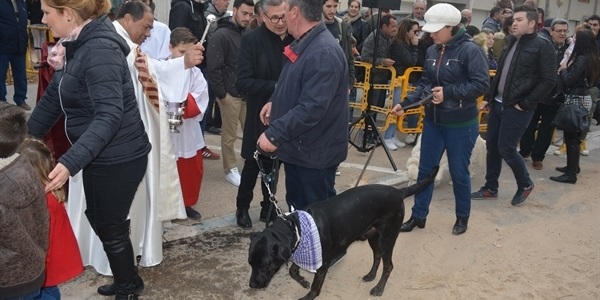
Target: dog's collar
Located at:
point(294, 225)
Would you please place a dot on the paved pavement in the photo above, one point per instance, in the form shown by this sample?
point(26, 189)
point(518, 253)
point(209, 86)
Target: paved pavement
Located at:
point(207, 259)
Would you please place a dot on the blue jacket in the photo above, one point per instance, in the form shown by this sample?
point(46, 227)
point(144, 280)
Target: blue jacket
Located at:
point(95, 93)
point(462, 69)
point(13, 28)
point(309, 113)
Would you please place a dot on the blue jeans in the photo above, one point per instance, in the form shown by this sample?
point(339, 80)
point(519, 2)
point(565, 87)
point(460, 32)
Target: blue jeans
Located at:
point(458, 142)
point(18, 68)
point(49, 293)
point(307, 185)
point(389, 132)
point(31, 296)
point(505, 129)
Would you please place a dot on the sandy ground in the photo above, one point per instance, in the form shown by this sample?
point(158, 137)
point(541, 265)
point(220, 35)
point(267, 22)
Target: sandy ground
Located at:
point(548, 248)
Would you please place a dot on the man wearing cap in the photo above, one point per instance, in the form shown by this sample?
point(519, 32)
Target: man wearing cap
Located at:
point(456, 74)
point(526, 74)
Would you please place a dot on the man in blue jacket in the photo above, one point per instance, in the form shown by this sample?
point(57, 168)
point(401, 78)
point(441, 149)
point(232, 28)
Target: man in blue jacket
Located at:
point(13, 47)
point(308, 112)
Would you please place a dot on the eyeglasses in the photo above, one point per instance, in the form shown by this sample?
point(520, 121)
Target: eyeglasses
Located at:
point(508, 12)
point(275, 19)
point(560, 30)
point(416, 31)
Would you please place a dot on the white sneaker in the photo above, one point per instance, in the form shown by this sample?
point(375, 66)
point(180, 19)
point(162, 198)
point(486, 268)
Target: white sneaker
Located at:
point(233, 176)
point(398, 143)
point(338, 172)
point(410, 138)
point(389, 143)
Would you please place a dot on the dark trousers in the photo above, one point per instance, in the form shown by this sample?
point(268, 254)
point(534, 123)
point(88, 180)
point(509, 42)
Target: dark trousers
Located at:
point(19, 73)
point(109, 191)
point(458, 143)
point(533, 145)
point(307, 185)
point(248, 182)
point(505, 128)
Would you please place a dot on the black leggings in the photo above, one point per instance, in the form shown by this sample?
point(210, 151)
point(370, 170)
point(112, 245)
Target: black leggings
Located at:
point(109, 191)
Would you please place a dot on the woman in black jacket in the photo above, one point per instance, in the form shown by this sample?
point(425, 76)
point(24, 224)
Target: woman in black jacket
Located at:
point(455, 73)
point(92, 88)
point(583, 69)
point(359, 28)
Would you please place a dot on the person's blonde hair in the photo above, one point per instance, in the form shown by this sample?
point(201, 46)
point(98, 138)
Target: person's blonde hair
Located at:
point(85, 9)
point(40, 156)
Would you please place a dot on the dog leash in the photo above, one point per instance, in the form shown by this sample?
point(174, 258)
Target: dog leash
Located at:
point(269, 180)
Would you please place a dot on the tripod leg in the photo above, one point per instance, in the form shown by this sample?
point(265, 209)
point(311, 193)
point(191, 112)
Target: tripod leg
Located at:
point(369, 119)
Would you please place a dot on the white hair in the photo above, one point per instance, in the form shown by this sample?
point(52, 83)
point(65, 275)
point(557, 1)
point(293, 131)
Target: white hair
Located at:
point(424, 2)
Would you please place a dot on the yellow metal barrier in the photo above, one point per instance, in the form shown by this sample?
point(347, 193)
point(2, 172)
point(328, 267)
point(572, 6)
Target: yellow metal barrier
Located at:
point(403, 83)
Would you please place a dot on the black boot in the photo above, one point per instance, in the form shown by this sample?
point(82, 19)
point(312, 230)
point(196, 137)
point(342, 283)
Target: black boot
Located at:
point(460, 226)
point(564, 169)
point(243, 218)
point(119, 251)
point(412, 223)
point(572, 167)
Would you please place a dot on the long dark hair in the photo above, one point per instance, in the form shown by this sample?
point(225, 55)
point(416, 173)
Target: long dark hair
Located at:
point(404, 27)
point(585, 44)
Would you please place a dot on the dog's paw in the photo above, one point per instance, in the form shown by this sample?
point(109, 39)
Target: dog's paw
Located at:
point(304, 283)
point(369, 277)
point(376, 291)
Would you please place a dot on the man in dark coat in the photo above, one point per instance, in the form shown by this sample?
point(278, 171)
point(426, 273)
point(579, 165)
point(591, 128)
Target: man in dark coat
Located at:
point(259, 66)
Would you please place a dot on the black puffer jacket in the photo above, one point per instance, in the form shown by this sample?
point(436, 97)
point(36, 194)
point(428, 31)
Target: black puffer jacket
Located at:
point(461, 68)
point(188, 14)
point(223, 48)
point(95, 93)
point(532, 72)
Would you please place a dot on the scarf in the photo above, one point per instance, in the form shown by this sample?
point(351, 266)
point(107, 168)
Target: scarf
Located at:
point(350, 19)
point(308, 255)
point(56, 57)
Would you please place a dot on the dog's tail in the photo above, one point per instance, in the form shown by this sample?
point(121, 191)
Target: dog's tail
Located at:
point(417, 187)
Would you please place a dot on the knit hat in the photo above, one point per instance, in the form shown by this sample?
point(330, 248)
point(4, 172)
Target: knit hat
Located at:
point(439, 16)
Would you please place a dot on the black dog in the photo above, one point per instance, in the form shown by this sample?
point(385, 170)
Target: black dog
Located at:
point(373, 212)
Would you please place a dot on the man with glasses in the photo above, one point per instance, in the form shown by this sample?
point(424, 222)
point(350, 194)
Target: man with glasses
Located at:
point(259, 66)
point(536, 145)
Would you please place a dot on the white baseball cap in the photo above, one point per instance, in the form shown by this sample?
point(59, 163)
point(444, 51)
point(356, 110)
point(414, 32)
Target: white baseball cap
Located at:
point(439, 16)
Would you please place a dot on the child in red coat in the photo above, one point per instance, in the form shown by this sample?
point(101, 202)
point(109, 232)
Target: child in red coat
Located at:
point(63, 260)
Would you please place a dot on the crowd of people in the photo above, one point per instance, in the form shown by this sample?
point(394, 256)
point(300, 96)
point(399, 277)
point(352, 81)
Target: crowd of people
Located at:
point(283, 72)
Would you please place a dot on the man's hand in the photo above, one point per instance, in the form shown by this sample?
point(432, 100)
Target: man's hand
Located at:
point(264, 144)
point(265, 114)
point(193, 56)
point(388, 62)
point(58, 176)
point(518, 107)
point(397, 110)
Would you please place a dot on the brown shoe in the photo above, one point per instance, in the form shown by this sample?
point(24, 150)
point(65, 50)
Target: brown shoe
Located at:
point(208, 154)
point(538, 165)
point(24, 106)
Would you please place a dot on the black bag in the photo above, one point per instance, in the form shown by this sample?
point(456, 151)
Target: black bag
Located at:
point(571, 117)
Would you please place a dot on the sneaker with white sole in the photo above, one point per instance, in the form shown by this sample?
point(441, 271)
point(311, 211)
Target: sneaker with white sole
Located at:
point(398, 143)
point(583, 148)
point(561, 150)
point(233, 176)
point(410, 138)
point(389, 143)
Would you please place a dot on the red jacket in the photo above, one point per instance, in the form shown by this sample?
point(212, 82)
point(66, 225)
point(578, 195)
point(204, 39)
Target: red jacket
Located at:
point(63, 261)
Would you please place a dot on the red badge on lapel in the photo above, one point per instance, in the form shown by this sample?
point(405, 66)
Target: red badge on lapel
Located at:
point(289, 53)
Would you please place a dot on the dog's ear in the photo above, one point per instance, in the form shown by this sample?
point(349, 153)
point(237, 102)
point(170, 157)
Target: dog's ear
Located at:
point(281, 253)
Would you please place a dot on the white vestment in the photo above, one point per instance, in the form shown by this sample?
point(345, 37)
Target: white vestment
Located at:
point(157, 45)
point(159, 196)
